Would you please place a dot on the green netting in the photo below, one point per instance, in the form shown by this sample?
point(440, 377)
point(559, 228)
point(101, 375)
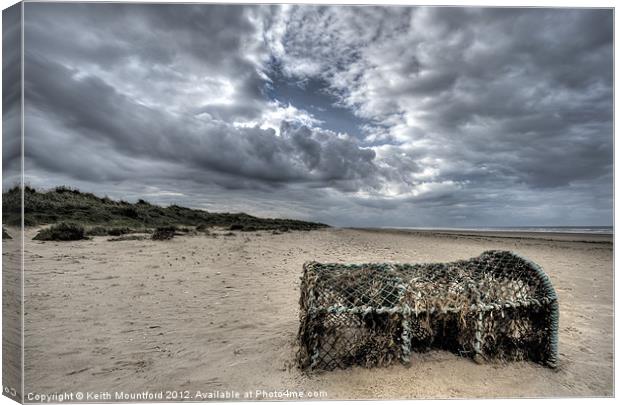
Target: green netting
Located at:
point(495, 306)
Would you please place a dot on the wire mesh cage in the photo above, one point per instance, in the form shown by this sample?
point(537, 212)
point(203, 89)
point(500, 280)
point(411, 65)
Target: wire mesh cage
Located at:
point(495, 306)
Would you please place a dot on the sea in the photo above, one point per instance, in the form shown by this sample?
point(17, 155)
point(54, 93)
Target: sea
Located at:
point(602, 230)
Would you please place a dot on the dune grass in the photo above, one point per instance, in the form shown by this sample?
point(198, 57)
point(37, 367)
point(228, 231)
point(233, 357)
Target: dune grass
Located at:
point(164, 233)
point(62, 232)
point(102, 215)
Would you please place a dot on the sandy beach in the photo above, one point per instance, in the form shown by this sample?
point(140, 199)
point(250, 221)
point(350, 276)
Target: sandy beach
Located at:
point(217, 313)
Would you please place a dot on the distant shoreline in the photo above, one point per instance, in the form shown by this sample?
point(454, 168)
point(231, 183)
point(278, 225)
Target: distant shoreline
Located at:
point(501, 234)
point(587, 230)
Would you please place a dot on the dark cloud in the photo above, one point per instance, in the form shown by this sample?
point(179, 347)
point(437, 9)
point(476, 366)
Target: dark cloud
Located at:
point(525, 93)
point(11, 95)
point(351, 115)
point(298, 154)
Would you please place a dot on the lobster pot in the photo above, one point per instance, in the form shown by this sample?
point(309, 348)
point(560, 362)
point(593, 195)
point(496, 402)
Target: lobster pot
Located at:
point(498, 306)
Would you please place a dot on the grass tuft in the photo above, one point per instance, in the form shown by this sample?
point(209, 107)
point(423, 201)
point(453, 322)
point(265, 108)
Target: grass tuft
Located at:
point(164, 233)
point(62, 232)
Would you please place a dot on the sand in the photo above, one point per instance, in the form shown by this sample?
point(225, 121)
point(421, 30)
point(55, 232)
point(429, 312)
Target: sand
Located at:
point(11, 316)
point(215, 314)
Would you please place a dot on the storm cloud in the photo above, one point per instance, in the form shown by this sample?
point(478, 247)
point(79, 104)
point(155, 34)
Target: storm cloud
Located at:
point(383, 116)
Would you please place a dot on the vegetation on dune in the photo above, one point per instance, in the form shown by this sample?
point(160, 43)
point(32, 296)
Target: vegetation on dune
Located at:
point(203, 228)
point(128, 237)
point(114, 231)
point(5, 234)
point(164, 233)
point(62, 232)
point(104, 216)
point(97, 231)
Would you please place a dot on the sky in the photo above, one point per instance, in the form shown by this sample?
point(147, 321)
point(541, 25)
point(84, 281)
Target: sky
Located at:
point(348, 115)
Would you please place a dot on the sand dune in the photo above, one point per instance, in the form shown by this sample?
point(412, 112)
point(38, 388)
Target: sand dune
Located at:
point(202, 313)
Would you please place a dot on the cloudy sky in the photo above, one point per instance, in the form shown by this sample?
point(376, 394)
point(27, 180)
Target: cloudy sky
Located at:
point(354, 116)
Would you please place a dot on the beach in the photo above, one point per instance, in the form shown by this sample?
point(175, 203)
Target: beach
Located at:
point(216, 314)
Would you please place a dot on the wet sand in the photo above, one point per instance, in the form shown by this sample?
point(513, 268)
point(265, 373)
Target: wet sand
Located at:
point(211, 314)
